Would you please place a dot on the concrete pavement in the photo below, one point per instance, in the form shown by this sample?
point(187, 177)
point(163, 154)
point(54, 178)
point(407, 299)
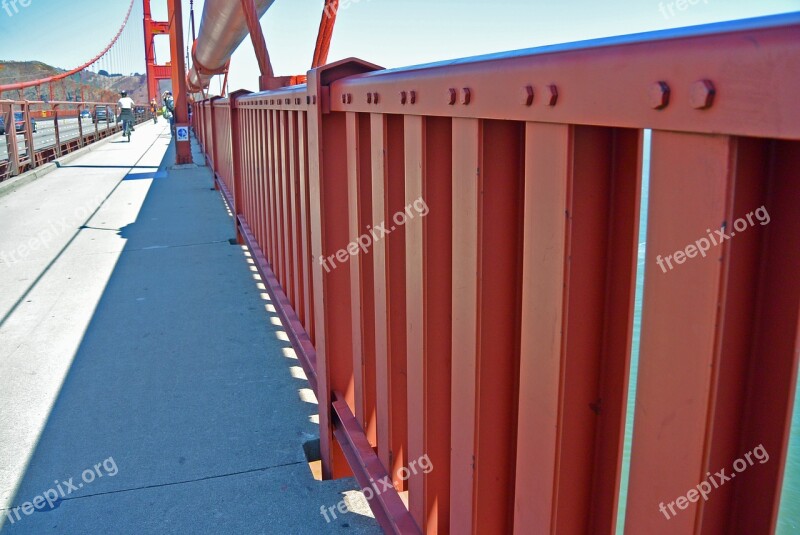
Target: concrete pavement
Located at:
point(140, 362)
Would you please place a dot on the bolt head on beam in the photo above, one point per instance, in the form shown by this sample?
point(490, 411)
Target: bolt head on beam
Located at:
point(658, 95)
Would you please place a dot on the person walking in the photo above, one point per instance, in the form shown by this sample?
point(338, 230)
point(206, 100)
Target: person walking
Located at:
point(169, 107)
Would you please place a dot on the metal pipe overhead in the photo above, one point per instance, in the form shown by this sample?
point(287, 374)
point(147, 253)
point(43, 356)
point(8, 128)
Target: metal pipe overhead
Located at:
point(222, 29)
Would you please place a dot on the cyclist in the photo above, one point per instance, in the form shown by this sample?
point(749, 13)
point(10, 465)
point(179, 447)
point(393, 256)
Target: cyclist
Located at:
point(125, 105)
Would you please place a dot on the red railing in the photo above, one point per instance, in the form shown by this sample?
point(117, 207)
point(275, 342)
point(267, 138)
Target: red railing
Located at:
point(489, 329)
point(24, 150)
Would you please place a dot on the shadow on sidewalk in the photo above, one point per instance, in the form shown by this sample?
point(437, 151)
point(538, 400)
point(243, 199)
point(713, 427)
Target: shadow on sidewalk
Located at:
point(183, 410)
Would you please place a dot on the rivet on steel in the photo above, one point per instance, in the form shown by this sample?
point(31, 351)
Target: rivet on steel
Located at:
point(658, 95)
point(552, 95)
point(452, 96)
point(701, 94)
point(527, 95)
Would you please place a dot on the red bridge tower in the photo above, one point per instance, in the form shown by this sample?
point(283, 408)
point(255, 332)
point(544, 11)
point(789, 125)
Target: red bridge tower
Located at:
point(155, 72)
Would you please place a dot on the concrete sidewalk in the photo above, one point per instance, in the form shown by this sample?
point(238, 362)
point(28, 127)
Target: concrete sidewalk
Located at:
point(139, 357)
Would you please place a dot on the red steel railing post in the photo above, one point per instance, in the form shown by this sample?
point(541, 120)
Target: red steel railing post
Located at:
point(56, 129)
point(329, 232)
point(12, 146)
point(28, 133)
point(236, 156)
point(214, 136)
point(80, 128)
point(197, 124)
point(429, 251)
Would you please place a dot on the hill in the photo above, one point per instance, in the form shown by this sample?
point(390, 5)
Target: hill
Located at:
point(99, 86)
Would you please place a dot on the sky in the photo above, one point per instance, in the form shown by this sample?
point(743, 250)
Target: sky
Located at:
point(390, 33)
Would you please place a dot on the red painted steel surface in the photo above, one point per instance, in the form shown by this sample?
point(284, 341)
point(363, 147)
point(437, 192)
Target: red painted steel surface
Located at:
point(183, 149)
point(325, 33)
point(155, 72)
point(491, 335)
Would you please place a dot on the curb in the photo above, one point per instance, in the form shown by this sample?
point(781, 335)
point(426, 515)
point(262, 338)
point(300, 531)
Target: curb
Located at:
point(12, 184)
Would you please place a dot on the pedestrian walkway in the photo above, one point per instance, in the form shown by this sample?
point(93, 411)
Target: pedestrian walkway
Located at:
point(146, 385)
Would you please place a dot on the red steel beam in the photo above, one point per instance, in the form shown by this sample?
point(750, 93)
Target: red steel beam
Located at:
point(298, 302)
point(325, 34)
point(259, 43)
point(388, 198)
point(389, 510)
point(428, 145)
point(362, 273)
point(237, 196)
point(467, 140)
point(327, 188)
point(543, 307)
point(715, 377)
point(183, 149)
point(767, 50)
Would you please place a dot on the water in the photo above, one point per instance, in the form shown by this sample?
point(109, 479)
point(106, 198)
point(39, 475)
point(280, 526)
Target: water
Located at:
point(789, 517)
point(637, 329)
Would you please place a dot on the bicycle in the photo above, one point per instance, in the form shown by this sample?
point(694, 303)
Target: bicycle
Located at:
point(126, 129)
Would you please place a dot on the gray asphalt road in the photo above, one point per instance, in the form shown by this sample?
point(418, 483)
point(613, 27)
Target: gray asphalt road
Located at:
point(45, 135)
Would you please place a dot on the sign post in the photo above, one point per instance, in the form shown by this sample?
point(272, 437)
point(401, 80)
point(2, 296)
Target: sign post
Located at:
point(181, 133)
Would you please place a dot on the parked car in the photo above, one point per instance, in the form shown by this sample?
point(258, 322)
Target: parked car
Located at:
point(102, 113)
point(19, 123)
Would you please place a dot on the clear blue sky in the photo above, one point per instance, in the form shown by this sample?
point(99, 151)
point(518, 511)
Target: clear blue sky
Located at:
point(389, 33)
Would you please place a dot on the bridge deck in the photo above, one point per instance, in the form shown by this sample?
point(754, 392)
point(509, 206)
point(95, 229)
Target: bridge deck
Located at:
point(133, 332)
